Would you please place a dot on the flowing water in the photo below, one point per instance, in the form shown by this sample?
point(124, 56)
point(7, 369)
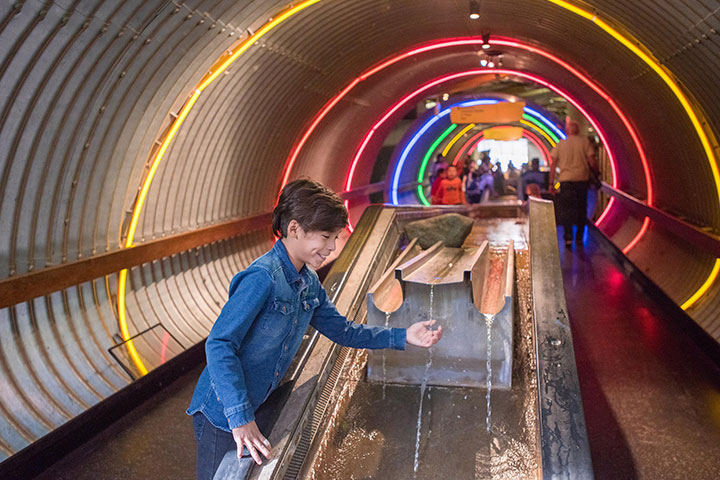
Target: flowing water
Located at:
point(423, 386)
point(488, 367)
point(387, 323)
point(370, 438)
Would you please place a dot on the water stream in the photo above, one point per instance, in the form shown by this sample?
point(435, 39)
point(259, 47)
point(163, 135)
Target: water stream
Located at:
point(387, 323)
point(423, 386)
point(488, 366)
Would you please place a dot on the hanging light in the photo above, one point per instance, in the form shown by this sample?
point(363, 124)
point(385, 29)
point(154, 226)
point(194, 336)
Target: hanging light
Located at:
point(474, 9)
point(486, 41)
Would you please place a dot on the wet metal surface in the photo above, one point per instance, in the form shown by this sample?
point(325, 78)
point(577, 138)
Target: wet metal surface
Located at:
point(499, 232)
point(453, 287)
point(372, 430)
point(563, 435)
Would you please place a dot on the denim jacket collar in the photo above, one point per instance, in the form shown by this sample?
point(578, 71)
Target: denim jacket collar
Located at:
point(295, 278)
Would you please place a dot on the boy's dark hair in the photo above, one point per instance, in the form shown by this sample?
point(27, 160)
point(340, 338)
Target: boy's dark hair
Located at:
point(440, 170)
point(315, 207)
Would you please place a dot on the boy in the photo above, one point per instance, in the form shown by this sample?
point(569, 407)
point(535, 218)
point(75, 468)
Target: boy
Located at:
point(260, 328)
point(450, 190)
point(441, 175)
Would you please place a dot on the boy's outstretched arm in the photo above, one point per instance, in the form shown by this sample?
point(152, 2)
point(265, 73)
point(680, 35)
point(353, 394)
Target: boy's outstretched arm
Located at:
point(328, 321)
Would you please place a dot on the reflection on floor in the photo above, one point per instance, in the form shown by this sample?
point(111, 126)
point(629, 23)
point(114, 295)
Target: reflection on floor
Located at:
point(651, 396)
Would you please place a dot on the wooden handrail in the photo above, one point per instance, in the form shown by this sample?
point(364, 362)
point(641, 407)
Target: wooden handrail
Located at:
point(24, 287)
point(14, 290)
point(694, 235)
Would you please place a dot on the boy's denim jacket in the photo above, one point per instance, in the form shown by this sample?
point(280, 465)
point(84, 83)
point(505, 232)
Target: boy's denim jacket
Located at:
point(259, 331)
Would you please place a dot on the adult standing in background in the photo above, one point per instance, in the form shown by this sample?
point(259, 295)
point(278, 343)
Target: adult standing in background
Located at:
point(572, 159)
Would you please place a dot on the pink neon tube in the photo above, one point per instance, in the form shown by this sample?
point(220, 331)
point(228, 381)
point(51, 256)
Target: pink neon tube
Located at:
point(474, 41)
point(464, 42)
point(482, 71)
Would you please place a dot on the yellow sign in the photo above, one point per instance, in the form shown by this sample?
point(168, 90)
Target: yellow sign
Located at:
point(501, 112)
point(503, 133)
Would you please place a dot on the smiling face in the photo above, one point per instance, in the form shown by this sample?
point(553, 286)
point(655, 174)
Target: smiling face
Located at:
point(311, 248)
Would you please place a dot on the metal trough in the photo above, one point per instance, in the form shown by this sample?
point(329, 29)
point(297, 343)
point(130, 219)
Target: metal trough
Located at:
point(467, 292)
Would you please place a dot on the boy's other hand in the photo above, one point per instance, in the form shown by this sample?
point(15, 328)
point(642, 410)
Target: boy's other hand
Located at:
point(420, 334)
point(249, 435)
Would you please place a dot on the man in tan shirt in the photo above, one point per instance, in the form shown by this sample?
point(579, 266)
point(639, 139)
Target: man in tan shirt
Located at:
point(572, 158)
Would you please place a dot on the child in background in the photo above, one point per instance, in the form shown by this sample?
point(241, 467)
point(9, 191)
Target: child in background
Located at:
point(439, 164)
point(260, 328)
point(474, 190)
point(441, 175)
point(450, 190)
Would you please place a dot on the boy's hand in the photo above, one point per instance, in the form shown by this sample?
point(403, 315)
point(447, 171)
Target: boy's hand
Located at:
point(249, 435)
point(420, 334)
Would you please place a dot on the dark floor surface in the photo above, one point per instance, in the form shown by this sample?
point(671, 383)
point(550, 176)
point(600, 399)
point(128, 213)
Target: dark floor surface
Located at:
point(153, 442)
point(651, 396)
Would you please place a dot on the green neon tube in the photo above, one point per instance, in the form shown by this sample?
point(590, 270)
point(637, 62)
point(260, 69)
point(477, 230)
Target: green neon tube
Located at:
point(426, 159)
point(541, 125)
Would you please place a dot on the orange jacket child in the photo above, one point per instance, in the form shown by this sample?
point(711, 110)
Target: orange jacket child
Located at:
point(450, 192)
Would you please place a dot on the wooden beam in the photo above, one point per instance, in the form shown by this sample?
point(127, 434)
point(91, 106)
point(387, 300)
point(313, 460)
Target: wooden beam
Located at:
point(21, 288)
point(14, 290)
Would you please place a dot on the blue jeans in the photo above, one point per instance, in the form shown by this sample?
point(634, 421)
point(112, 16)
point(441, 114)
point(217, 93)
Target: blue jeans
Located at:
point(573, 203)
point(217, 451)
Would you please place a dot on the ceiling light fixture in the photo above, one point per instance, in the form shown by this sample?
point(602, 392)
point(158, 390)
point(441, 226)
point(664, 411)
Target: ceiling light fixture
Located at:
point(474, 9)
point(486, 41)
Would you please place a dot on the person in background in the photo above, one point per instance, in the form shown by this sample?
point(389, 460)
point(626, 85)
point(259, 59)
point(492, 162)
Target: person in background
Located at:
point(531, 176)
point(441, 175)
point(439, 164)
point(468, 165)
point(474, 189)
point(486, 177)
point(512, 176)
point(467, 178)
point(450, 190)
point(572, 158)
point(498, 180)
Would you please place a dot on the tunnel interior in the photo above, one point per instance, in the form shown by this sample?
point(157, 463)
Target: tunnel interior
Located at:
point(128, 126)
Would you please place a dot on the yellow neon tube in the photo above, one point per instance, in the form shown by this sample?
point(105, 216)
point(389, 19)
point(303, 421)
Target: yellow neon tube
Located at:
point(539, 130)
point(222, 64)
point(697, 124)
point(148, 180)
point(705, 287)
point(456, 138)
point(227, 60)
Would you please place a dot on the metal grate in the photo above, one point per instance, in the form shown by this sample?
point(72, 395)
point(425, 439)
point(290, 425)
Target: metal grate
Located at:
point(308, 435)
